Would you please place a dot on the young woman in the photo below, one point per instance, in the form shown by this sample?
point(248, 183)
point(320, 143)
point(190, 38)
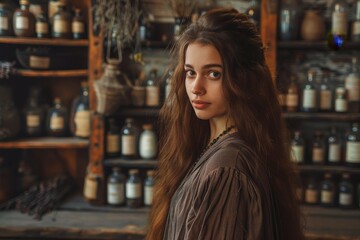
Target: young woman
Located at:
point(224, 168)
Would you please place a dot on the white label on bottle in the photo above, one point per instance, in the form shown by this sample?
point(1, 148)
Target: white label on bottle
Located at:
point(113, 143)
point(77, 27)
point(128, 145)
point(82, 123)
point(282, 99)
point(356, 28)
point(292, 100)
point(39, 62)
point(21, 23)
point(352, 85)
point(42, 27)
point(32, 120)
point(345, 199)
point(148, 195)
point(56, 123)
point(61, 26)
point(311, 196)
point(318, 155)
point(325, 99)
point(90, 188)
point(339, 23)
point(116, 193)
point(334, 152)
point(327, 196)
point(148, 145)
point(297, 153)
point(152, 96)
point(309, 100)
point(353, 152)
point(4, 23)
point(341, 105)
point(133, 190)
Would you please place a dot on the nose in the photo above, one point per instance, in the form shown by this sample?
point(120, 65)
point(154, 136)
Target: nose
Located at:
point(198, 86)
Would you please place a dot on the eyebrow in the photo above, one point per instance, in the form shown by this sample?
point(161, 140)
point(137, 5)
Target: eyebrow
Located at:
point(205, 66)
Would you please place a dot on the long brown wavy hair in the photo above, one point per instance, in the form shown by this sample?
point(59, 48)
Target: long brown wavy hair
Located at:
point(252, 104)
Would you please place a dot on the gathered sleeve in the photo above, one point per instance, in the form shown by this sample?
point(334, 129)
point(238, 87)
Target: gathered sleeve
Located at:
point(227, 206)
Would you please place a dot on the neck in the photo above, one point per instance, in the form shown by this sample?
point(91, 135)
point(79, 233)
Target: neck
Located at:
point(217, 128)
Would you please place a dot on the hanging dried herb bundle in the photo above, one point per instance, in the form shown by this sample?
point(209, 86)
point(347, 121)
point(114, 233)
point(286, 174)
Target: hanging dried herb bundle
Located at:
point(118, 20)
point(183, 8)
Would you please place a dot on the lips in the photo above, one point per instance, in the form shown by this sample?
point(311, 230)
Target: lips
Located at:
point(200, 104)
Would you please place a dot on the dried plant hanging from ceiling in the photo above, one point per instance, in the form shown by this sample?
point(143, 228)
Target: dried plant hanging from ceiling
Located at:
point(183, 8)
point(118, 20)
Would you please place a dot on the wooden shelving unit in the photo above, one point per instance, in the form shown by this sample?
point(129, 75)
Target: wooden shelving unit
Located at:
point(134, 163)
point(138, 112)
point(322, 116)
point(45, 143)
point(47, 42)
point(327, 168)
point(52, 73)
point(318, 45)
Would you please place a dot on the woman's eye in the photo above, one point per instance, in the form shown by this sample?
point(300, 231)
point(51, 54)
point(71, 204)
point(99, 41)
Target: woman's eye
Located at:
point(215, 74)
point(190, 73)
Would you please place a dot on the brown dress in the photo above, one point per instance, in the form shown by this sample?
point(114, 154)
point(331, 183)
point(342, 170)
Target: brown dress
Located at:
point(222, 198)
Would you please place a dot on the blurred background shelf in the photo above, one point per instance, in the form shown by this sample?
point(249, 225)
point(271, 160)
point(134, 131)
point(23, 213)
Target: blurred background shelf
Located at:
point(45, 142)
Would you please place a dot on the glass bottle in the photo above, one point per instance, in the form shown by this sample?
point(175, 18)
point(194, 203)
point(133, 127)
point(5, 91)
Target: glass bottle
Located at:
point(318, 148)
point(52, 8)
point(24, 21)
point(80, 114)
point(57, 118)
point(78, 25)
point(129, 136)
point(327, 195)
point(5, 21)
point(309, 93)
point(134, 189)
point(116, 188)
point(339, 23)
point(346, 191)
point(149, 188)
point(61, 27)
point(353, 146)
point(355, 26)
point(253, 12)
point(352, 86)
point(326, 96)
point(341, 100)
point(168, 85)
point(148, 142)
point(113, 139)
point(42, 26)
point(289, 20)
point(152, 90)
point(334, 147)
point(312, 192)
point(34, 118)
point(297, 148)
point(292, 96)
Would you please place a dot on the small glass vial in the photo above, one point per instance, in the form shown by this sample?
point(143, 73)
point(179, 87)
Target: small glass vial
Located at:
point(312, 192)
point(134, 189)
point(292, 96)
point(148, 142)
point(309, 103)
point(116, 188)
point(352, 86)
point(339, 20)
point(168, 85)
point(318, 149)
point(113, 139)
point(42, 26)
point(297, 148)
point(346, 192)
point(24, 21)
point(334, 147)
point(78, 25)
point(34, 118)
point(327, 195)
point(341, 101)
point(152, 90)
point(129, 135)
point(355, 26)
point(353, 146)
point(5, 21)
point(326, 95)
point(80, 113)
point(149, 188)
point(61, 27)
point(57, 119)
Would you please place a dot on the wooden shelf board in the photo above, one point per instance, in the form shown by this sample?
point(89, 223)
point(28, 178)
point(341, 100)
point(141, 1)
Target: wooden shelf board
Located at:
point(52, 73)
point(138, 112)
point(46, 41)
point(45, 142)
point(318, 45)
point(326, 168)
point(137, 163)
point(322, 116)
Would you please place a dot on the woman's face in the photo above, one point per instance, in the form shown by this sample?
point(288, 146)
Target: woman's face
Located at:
point(204, 76)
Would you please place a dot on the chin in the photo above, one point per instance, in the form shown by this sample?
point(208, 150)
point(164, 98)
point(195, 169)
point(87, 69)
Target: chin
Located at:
point(202, 116)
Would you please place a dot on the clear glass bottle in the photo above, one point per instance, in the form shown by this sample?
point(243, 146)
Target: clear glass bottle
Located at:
point(152, 90)
point(341, 100)
point(292, 96)
point(112, 139)
point(168, 85)
point(134, 189)
point(34, 118)
point(80, 114)
point(61, 27)
point(53, 6)
point(334, 147)
point(149, 188)
point(129, 137)
point(297, 148)
point(42, 26)
point(346, 191)
point(339, 25)
point(148, 142)
point(353, 146)
point(318, 148)
point(78, 25)
point(6, 28)
point(352, 86)
point(328, 191)
point(57, 120)
point(24, 21)
point(289, 20)
point(326, 95)
point(312, 192)
point(355, 26)
point(309, 99)
point(116, 188)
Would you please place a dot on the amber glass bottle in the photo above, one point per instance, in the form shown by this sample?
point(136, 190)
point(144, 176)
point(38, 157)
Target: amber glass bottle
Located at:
point(78, 25)
point(61, 22)
point(24, 21)
point(42, 26)
point(56, 123)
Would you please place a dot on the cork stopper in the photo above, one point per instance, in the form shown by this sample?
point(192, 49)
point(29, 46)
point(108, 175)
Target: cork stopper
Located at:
point(150, 173)
point(328, 176)
point(133, 171)
point(84, 84)
point(147, 127)
point(24, 2)
point(57, 100)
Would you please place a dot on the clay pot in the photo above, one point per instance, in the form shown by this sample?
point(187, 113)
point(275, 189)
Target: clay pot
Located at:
point(313, 26)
